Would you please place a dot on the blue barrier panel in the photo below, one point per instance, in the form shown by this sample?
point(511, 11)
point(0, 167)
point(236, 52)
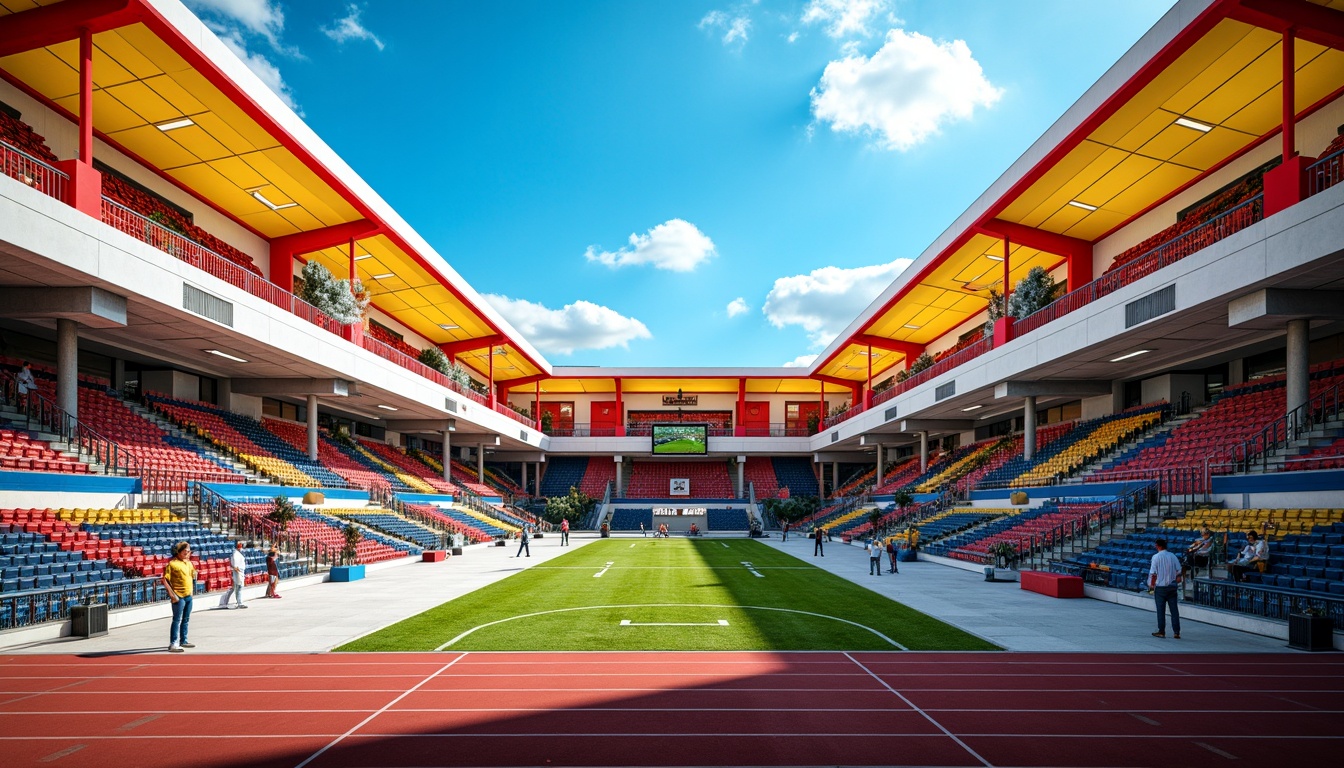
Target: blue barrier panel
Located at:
point(234, 492)
point(56, 481)
point(426, 498)
point(1280, 482)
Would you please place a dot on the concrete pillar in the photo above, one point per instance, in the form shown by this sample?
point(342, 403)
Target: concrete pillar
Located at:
point(923, 452)
point(617, 490)
point(1029, 428)
point(1299, 372)
point(480, 464)
point(312, 427)
point(447, 458)
point(119, 375)
point(877, 476)
point(742, 479)
point(67, 365)
point(524, 485)
point(835, 476)
point(1236, 372)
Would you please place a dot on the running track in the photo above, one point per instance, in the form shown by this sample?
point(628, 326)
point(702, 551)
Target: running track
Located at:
point(663, 709)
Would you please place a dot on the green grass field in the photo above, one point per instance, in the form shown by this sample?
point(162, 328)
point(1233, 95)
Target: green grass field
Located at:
point(672, 594)
point(683, 445)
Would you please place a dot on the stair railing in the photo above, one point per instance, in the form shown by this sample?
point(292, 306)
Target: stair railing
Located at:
point(1278, 434)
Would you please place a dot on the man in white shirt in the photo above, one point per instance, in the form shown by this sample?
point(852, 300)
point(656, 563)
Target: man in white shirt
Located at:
point(1164, 581)
point(874, 557)
point(237, 569)
point(1256, 551)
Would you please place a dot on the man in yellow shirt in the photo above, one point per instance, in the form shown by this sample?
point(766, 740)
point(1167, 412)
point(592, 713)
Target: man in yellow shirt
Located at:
point(179, 578)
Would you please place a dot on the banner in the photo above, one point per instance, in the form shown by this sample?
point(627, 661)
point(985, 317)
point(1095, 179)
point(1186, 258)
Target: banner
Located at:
point(679, 486)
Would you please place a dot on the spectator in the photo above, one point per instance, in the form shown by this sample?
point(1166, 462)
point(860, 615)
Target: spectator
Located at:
point(272, 573)
point(893, 550)
point(1164, 581)
point(1251, 556)
point(26, 383)
point(1197, 554)
point(820, 535)
point(238, 572)
point(564, 532)
point(523, 539)
point(874, 557)
point(179, 578)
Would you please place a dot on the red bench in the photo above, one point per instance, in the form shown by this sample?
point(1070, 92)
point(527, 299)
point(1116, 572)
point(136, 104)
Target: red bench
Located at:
point(1052, 584)
point(433, 556)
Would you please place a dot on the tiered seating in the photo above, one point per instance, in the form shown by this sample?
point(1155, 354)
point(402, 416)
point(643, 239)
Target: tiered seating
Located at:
point(214, 425)
point(795, 473)
point(22, 137)
point(1014, 528)
point(640, 422)
point(327, 531)
point(596, 476)
point(1269, 522)
point(465, 477)
point(899, 476)
point(1008, 463)
point(492, 527)
point(333, 458)
point(30, 559)
point(855, 484)
point(955, 520)
point(734, 519)
point(964, 460)
point(470, 528)
point(1307, 562)
point(563, 473)
point(151, 208)
point(652, 479)
point(1084, 443)
point(630, 519)
point(1325, 457)
point(1194, 219)
point(759, 471)
point(392, 340)
point(406, 466)
point(1123, 562)
point(19, 450)
point(393, 525)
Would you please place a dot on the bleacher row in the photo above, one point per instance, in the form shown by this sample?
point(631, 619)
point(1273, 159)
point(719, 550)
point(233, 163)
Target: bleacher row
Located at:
point(716, 519)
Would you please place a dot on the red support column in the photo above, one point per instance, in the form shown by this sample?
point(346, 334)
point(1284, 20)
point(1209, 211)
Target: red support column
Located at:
point(354, 275)
point(490, 383)
point(536, 407)
point(1286, 185)
point(868, 394)
point(740, 429)
point(620, 411)
point(1003, 329)
point(85, 192)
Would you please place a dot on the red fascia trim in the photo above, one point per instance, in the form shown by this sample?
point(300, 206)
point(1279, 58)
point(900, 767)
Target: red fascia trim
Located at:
point(202, 64)
point(1164, 58)
point(73, 118)
point(51, 24)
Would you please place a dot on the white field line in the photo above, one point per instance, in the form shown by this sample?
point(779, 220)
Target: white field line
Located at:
point(598, 575)
point(629, 623)
point(753, 570)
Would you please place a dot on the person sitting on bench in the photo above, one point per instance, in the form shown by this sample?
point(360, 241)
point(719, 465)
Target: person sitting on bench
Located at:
point(1252, 555)
point(1197, 554)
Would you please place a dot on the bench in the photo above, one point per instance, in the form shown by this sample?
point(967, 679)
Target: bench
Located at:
point(434, 556)
point(1052, 584)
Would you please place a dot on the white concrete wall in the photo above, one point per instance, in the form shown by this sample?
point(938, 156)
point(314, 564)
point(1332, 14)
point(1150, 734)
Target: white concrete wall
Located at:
point(62, 500)
point(183, 386)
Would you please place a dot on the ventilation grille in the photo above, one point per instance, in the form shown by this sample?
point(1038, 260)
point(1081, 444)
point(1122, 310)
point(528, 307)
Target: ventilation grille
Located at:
point(889, 414)
point(522, 435)
point(1155, 304)
point(945, 391)
point(835, 436)
point(450, 405)
point(208, 305)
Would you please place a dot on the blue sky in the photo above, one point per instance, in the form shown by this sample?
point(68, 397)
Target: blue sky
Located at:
point(638, 183)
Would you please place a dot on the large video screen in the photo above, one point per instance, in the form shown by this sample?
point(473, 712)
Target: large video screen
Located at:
point(680, 439)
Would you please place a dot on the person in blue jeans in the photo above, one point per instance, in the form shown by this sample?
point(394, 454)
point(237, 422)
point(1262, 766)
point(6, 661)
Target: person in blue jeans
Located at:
point(523, 538)
point(1164, 581)
point(179, 578)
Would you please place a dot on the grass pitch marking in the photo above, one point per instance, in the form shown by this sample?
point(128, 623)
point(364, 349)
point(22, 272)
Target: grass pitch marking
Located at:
point(606, 568)
point(674, 605)
point(629, 623)
point(725, 546)
point(632, 546)
point(753, 570)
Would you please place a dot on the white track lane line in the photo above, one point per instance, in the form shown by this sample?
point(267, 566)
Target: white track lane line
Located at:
point(926, 715)
point(386, 707)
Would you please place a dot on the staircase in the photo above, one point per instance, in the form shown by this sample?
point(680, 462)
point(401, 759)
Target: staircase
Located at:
point(12, 415)
point(209, 450)
point(1321, 436)
point(1132, 447)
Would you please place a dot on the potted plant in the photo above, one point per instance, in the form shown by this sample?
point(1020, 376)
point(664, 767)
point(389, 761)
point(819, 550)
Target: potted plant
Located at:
point(348, 570)
point(547, 421)
point(1005, 554)
point(282, 512)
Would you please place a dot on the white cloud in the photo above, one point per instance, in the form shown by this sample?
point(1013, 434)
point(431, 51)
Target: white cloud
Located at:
point(735, 28)
point(260, 17)
point(262, 68)
point(675, 245)
point(351, 28)
point(801, 361)
point(823, 301)
point(737, 307)
point(793, 37)
point(844, 17)
point(904, 92)
point(578, 326)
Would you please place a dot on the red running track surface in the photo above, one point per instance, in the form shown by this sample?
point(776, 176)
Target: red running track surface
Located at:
point(668, 709)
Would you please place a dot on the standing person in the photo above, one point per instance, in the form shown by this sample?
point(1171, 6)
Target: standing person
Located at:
point(564, 532)
point(179, 578)
point(26, 382)
point(238, 571)
point(643, 532)
point(523, 539)
point(874, 557)
point(1164, 581)
point(272, 573)
point(819, 534)
point(893, 549)
point(786, 532)
point(1255, 551)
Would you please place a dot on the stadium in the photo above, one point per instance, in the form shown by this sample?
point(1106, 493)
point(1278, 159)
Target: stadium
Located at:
point(929, 546)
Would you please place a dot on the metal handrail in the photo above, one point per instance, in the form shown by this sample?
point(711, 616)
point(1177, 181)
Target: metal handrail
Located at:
point(394, 355)
point(1325, 172)
point(42, 415)
point(33, 172)
point(1279, 433)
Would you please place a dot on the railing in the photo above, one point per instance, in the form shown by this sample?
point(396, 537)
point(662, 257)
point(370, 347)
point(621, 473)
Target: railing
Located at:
point(1278, 434)
point(953, 360)
point(1186, 485)
point(779, 430)
point(1166, 254)
point(1268, 602)
point(1039, 549)
point(394, 355)
point(38, 414)
point(1325, 173)
point(843, 416)
point(33, 172)
point(516, 416)
point(214, 509)
point(39, 606)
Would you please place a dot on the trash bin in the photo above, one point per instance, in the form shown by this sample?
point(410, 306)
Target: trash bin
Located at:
point(88, 620)
point(1310, 633)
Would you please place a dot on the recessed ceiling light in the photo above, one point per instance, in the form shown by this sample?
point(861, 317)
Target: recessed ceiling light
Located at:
point(1131, 354)
point(226, 355)
point(383, 276)
point(388, 407)
point(365, 256)
point(173, 125)
point(1186, 122)
point(262, 199)
point(912, 327)
point(448, 326)
point(992, 257)
point(1084, 206)
point(972, 408)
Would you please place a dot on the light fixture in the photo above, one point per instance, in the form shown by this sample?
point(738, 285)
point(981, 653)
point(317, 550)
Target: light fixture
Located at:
point(912, 327)
point(452, 425)
point(388, 407)
point(992, 257)
point(448, 326)
point(1186, 122)
point(226, 355)
point(256, 193)
point(173, 125)
point(972, 408)
point(1084, 206)
point(365, 256)
point(1131, 354)
point(383, 276)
